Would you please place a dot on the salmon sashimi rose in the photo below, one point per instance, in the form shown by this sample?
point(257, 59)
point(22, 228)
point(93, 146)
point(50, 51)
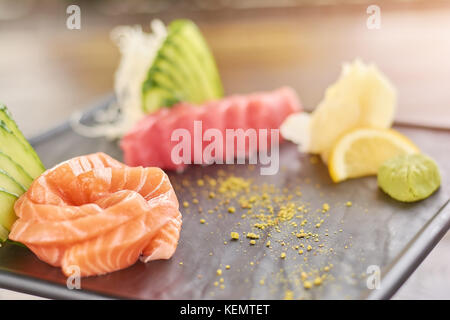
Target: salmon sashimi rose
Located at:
point(99, 215)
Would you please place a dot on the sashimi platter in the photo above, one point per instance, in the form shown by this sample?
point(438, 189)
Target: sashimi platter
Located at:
point(175, 188)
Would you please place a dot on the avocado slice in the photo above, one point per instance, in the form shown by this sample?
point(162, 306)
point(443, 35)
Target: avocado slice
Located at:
point(22, 153)
point(19, 165)
point(183, 70)
point(15, 170)
point(6, 117)
point(7, 215)
point(189, 31)
point(9, 184)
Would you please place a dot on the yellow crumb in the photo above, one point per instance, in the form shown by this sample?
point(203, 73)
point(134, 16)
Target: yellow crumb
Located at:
point(318, 281)
point(307, 284)
point(185, 204)
point(289, 295)
point(283, 255)
point(219, 272)
point(234, 235)
point(252, 235)
point(202, 221)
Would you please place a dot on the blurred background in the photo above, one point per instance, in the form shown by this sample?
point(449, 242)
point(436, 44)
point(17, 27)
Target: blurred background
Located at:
point(48, 71)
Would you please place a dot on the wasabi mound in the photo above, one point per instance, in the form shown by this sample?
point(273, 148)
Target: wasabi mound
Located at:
point(410, 177)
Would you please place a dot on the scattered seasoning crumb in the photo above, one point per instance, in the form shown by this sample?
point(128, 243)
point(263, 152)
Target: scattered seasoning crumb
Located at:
point(266, 206)
point(181, 263)
point(234, 235)
point(288, 295)
point(307, 284)
point(221, 280)
point(317, 281)
point(216, 283)
point(222, 286)
point(219, 272)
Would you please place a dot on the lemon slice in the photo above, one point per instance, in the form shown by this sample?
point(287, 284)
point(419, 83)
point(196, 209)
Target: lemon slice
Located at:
point(362, 151)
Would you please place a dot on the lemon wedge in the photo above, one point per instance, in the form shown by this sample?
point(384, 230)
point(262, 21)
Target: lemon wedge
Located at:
point(360, 152)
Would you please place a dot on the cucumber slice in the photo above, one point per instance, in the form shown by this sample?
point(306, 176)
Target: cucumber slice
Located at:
point(9, 184)
point(20, 152)
point(15, 170)
point(7, 215)
point(6, 117)
point(184, 68)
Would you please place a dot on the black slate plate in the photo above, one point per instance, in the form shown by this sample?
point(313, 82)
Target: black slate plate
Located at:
point(374, 231)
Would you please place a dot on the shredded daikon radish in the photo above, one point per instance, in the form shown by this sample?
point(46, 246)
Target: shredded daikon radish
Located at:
point(138, 50)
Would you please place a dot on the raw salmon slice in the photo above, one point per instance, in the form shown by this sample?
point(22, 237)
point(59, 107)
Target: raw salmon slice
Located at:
point(149, 143)
point(99, 215)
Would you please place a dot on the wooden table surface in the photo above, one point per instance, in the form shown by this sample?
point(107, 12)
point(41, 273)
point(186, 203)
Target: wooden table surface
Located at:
point(47, 71)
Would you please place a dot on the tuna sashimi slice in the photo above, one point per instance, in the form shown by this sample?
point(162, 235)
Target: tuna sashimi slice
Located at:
point(150, 143)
